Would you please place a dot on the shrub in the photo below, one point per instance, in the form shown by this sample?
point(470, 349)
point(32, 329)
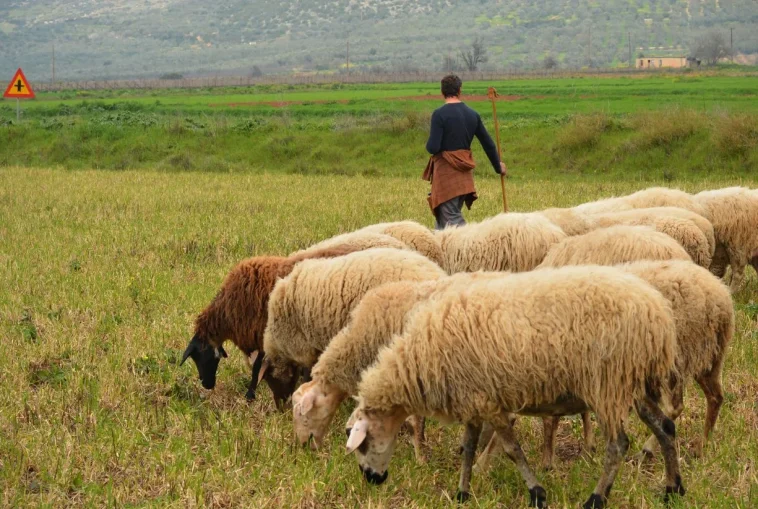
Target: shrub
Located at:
point(735, 133)
point(582, 132)
point(660, 128)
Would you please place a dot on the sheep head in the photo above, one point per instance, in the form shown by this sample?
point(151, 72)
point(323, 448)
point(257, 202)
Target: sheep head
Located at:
point(372, 437)
point(281, 378)
point(206, 359)
point(313, 407)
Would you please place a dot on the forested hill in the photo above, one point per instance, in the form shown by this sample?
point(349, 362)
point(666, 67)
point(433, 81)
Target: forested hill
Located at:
point(132, 38)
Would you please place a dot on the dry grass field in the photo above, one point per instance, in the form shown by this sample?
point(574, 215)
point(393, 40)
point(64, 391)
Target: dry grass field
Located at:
point(101, 276)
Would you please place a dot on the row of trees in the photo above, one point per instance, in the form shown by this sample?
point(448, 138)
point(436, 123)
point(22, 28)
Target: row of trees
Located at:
point(709, 48)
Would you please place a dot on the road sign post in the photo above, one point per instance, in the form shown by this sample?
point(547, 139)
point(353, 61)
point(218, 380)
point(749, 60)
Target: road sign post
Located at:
point(19, 88)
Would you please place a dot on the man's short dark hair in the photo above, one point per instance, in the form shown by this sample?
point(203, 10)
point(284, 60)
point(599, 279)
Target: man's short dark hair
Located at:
point(451, 85)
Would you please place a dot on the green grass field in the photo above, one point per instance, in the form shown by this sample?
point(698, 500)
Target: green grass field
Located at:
point(678, 127)
point(102, 274)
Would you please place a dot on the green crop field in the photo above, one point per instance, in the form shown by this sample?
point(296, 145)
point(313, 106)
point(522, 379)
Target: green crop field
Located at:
point(681, 126)
point(122, 211)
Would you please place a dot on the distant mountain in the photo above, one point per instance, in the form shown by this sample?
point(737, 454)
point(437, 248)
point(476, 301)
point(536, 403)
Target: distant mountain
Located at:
point(134, 38)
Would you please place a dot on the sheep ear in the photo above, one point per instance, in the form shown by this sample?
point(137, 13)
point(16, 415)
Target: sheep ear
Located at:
point(306, 404)
point(263, 370)
point(253, 357)
point(220, 352)
point(357, 436)
point(191, 348)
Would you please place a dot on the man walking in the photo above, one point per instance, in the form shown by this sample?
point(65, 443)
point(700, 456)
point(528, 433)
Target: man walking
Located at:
point(450, 169)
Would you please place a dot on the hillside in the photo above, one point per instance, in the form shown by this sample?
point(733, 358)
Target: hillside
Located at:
point(132, 38)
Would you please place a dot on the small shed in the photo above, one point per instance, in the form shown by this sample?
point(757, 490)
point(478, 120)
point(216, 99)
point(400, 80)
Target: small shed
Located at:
point(661, 62)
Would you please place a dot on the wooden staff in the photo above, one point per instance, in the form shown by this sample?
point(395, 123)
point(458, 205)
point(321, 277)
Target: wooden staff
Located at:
point(492, 94)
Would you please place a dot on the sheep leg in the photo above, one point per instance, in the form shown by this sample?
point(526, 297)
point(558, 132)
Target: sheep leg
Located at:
point(589, 436)
point(719, 262)
point(738, 276)
point(487, 432)
point(674, 409)
point(305, 374)
point(470, 440)
point(714, 395)
point(549, 432)
point(664, 430)
point(493, 448)
point(419, 425)
point(505, 434)
point(614, 454)
point(256, 368)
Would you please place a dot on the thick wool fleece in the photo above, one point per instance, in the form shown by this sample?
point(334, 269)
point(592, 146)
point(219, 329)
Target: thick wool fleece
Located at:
point(703, 311)
point(570, 221)
point(527, 340)
point(514, 242)
point(379, 316)
point(310, 306)
point(360, 240)
point(614, 245)
point(734, 214)
point(647, 198)
point(646, 216)
point(239, 310)
point(695, 236)
point(414, 235)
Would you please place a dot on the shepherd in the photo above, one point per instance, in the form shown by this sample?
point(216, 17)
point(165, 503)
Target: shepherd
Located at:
point(450, 168)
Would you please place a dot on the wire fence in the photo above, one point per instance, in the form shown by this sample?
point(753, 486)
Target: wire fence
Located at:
point(332, 78)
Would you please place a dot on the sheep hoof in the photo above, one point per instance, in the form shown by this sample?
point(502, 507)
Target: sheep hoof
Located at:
point(538, 497)
point(462, 496)
point(677, 489)
point(595, 502)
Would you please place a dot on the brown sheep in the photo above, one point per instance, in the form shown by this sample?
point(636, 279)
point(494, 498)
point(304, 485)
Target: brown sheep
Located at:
point(239, 312)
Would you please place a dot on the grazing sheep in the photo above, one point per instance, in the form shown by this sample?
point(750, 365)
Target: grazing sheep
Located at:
point(570, 221)
point(409, 234)
point(547, 342)
point(377, 318)
point(514, 242)
point(614, 245)
point(692, 231)
point(734, 214)
point(704, 317)
point(647, 198)
point(360, 240)
point(311, 305)
point(238, 312)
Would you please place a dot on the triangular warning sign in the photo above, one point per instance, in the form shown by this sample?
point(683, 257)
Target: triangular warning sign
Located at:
point(19, 87)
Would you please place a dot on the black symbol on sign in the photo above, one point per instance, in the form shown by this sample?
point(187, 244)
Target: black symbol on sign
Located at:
point(19, 85)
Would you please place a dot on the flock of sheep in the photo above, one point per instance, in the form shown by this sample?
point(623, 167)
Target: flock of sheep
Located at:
point(606, 307)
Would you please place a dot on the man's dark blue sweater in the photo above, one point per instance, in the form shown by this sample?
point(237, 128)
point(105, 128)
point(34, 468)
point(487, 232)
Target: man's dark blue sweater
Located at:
point(454, 126)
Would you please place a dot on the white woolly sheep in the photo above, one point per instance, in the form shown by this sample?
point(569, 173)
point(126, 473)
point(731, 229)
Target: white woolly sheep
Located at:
point(692, 231)
point(360, 240)
point(704, 317)
point(647, 198)
point(310, 306)
point(514, 242)
point(614, 245)
point(409, 234)
point(546, 342)
point(374, 321)
point(734, 214)
point(569, 220)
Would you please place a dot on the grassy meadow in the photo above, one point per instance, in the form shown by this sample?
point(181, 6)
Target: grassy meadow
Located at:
point(102, 273)
point(676, 127)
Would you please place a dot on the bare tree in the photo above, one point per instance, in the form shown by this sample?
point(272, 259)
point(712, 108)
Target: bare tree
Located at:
point(711, 48)
point(450, 64)
point(549, 63)
point(474, 55)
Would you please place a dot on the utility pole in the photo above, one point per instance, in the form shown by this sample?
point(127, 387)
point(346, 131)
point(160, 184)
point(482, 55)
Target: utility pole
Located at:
point(731, 43)
point(347, 55)
point(631, 62)
point(52, 80)
point(589, 49)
